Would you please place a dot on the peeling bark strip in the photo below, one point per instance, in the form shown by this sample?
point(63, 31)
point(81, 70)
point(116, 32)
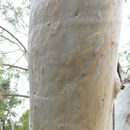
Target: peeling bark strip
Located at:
point(72, 63)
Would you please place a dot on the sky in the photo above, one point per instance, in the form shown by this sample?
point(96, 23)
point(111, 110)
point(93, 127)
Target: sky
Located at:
point(125, 33)
point(125, 29)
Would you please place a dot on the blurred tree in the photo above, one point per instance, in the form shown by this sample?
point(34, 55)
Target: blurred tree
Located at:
point(24, 120)
point(15, 15)
point(22, 124)
point(7, 104)
point(13, 41)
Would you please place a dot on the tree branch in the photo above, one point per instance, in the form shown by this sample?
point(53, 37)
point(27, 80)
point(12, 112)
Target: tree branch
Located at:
point(18, 60)
point(127, 70)
point(16, 95)
point(21, 19)
point(6, 38)
point(25, 50)
point(14, 66)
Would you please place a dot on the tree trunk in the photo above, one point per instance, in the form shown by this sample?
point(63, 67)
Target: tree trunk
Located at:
point(11, 121)
point(122, 109)
point(3, 125)
point(72, 63)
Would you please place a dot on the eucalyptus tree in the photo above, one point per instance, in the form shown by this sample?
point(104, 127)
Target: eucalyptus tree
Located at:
point(72, 63)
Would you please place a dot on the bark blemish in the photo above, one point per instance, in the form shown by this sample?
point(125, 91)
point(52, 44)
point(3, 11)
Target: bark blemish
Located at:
point(34, 93)
point(54, 27)
point(33, 51)
point(103, 100)
point(53, 6)
point(42, 71)
point(100, 65)
point(83, 75)
point(32, 70)
point(114, 43)
point(128, 119)
point(99, 43)
point(49, 23)
point(35, 107)
point(31, 126)
point(77, 13)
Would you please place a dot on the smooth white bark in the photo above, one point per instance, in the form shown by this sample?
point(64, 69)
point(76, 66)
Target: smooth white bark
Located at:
point(72, 63)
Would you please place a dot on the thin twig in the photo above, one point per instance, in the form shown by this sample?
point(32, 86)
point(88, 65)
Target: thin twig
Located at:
point(16, 95)
point(8, 39)
point(25, 50)
point(18, 59)
point(127, 70)
point(21, 19)
point(14, 66)
point(113, 115)
point(1, 52)
point(22, 33)
point(15, 43)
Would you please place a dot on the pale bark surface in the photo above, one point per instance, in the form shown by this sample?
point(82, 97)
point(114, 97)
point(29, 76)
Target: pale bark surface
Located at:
point(72, 63)
point(122, 109)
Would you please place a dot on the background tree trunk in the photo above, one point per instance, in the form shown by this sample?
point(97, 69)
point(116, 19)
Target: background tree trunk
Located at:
point(122, 109)
point(3, 125)
point(11, 121)
point(72, 63)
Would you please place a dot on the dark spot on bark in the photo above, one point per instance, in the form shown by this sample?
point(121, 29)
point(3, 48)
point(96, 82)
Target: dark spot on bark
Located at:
point(42, 71)
point(34, 93)
point(32, 70)
point(93, 54)
point(35, 107)
point(112, 42)
point(83, 75)
point(128, 119)
point(101, 55)
point(122, 87)
point(103, 100)
point(49, 23)
point(77, 13)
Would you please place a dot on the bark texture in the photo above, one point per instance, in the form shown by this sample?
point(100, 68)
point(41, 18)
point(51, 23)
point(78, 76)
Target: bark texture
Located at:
point(72, 63)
